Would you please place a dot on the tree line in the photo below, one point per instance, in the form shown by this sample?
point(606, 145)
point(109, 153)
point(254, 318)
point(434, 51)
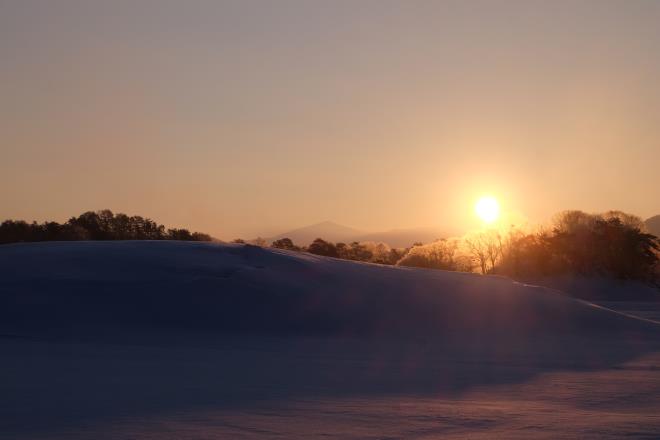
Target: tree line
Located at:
point(373, 252)
point(614, 244)
point(99, 225)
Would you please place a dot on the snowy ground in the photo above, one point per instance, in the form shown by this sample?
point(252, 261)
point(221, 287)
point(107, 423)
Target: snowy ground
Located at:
point(147, 340)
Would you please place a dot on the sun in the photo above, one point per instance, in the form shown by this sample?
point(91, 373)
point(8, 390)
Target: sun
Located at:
point(487, 209)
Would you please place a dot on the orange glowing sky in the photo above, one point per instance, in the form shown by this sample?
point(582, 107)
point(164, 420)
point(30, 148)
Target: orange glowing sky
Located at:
point(245, 118)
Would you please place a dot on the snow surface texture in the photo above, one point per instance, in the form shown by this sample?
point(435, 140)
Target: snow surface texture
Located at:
point(176, 340)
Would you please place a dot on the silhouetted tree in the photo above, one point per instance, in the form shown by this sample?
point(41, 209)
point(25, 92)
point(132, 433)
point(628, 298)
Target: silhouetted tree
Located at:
point(91, 222)
point(74, 233)
point(440, 254)
point(322, 247)
point(200, 236)
point(608, 247)
point(100, 225)
point(477, 249)
point(373, 252)
point(396, 255)
point(613, 244)
point(179, 234)
point(259, 241)
point(12, 231)
point(343, 251)
point(380, 252)
point(285, 243)
point(359, 252)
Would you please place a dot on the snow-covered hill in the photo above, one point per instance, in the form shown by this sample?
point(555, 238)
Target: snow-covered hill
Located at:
point(247, 289)
point(171, 340)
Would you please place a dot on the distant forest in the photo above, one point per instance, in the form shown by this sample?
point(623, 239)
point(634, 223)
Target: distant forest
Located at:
point(614, 244)
point(99, 225)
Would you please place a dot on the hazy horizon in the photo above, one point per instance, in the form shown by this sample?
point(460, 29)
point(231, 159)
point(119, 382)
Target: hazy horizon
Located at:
point(245, 118)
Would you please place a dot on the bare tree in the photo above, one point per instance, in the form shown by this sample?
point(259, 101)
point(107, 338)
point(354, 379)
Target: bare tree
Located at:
point(485, 248)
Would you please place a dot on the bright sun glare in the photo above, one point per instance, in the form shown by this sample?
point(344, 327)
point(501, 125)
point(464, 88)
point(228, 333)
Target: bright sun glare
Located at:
point(487, 209)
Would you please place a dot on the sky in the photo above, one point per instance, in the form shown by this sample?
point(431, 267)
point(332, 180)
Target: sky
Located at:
point(249, 118)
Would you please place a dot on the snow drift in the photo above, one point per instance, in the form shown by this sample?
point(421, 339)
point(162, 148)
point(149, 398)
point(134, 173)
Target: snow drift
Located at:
point(175, 340)
point(245, 289)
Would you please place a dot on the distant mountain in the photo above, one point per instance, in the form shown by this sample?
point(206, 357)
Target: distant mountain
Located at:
point(653, 225)
point(326, 230)
point(335, 232)
point(406, 237)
